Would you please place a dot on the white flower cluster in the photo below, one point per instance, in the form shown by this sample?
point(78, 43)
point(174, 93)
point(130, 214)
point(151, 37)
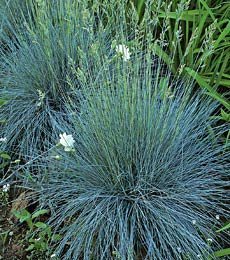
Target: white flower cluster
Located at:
point(6, 187)
point(124, 51)
point(67, 141)
point(3, 139)
point(194, 222)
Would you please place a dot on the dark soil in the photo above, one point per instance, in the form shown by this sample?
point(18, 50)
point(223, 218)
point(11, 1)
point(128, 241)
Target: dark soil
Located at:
point(13, 242)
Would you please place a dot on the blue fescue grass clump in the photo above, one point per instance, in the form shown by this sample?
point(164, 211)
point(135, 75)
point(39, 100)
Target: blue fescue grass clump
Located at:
point(36, 99)
point(40, 76)
point(147, 176)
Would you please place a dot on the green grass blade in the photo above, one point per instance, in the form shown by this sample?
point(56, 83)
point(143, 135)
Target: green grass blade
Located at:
point(222, 252)
point(212, 92)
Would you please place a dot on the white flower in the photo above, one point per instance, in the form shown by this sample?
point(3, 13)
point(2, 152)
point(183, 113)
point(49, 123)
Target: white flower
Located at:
point(124, 50)
point(209, 240)
point(67, 141)
point(218, 217)
point(11, 233)
point(57, 157)
point(179, 249)
point(199, 256)
point(3, 139)
point(194, 222)
point(6, 187)
point(53, 255)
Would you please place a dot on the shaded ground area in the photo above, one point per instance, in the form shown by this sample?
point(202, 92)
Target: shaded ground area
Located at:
point(13, 234)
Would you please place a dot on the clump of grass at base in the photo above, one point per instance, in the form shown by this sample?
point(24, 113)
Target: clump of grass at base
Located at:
point(147, 176)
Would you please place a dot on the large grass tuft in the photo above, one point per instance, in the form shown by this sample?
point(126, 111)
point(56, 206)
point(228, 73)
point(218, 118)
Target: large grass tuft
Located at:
point(147, 176)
